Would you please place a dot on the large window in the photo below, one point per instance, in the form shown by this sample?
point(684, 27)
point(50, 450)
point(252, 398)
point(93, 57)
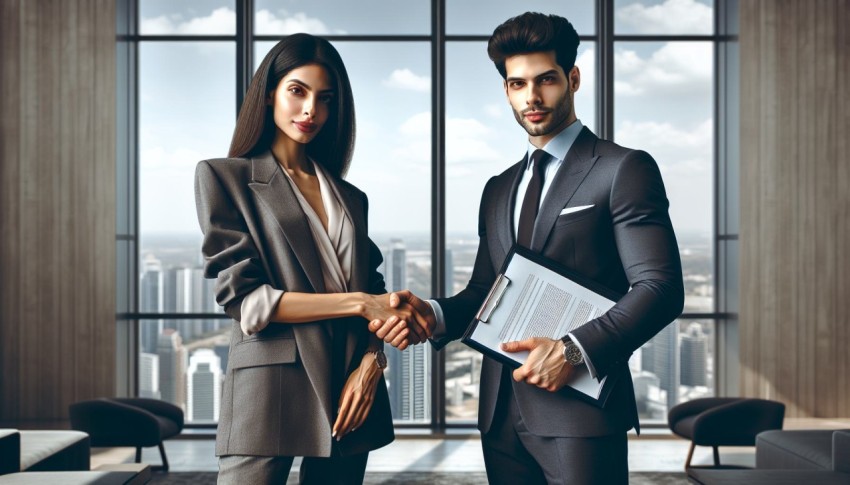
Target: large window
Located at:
point(433, 125)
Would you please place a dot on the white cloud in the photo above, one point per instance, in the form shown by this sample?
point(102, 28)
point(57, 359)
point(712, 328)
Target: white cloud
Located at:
point(166, 198)
point(670, 17)
point(676, 65)
point(684, 157)
point(220, 21)
point(676, 149)
point(270, 23)
point(467, 141)
point(586, 63)
point(496, 110)
point(407, 79)
point(417, 125)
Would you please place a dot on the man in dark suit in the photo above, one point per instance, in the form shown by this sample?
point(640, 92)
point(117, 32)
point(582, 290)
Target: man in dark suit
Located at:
point(594, 207)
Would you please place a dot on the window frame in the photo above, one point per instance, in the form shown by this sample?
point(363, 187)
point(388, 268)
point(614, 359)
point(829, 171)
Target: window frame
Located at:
point(725, 162)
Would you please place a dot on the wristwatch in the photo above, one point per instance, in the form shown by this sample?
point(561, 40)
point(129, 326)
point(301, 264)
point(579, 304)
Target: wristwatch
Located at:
point(380, 358)
point(572, 354)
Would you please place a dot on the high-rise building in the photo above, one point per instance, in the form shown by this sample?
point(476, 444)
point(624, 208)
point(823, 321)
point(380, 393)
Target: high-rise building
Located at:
point(694, 348)
point(409, 383)
point(651, 399)
point(149, 376)
point(660, 356)
point(203, 386)
point(150, 301)
point(172, 367)
point(409, 371)
point(170, 291)
point(395, 266)
point(450, 270)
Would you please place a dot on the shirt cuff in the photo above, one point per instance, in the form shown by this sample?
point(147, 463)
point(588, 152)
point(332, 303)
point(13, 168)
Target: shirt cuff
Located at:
point(440, 327)
point(257, 308)
point(584, 354)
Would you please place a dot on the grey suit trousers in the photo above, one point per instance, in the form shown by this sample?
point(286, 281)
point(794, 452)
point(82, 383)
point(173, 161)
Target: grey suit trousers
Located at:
point(334, 470)
point(512, 454)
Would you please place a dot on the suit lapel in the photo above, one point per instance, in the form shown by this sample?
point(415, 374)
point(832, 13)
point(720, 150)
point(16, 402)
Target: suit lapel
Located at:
point(353, 207)
point(504, 216)
point(271, 186)
point(570, 175)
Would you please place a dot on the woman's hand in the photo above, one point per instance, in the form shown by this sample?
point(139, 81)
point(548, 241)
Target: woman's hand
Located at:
point(357, 397)
point(377, 308)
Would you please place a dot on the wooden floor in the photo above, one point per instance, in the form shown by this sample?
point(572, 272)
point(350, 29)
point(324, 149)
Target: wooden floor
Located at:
point(654, 450)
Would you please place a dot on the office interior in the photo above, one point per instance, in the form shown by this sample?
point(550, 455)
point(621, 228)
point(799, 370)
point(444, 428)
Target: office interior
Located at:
point(107, 106)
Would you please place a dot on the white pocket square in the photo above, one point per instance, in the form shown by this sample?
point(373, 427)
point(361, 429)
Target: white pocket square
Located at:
point(570, 210)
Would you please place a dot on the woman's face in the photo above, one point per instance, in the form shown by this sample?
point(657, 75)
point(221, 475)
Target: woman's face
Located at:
point(302, 102)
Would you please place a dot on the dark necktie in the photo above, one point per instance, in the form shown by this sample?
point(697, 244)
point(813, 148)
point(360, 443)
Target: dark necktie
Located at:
point(531, 202)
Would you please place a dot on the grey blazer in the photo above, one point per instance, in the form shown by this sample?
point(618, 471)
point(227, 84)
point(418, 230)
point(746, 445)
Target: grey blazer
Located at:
point(624, 240)
point(277, 390)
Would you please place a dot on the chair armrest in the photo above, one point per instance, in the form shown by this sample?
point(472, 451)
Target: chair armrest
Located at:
point(10, 451)
point(738, 423)
point(841, 451)
point(697, 406)
point(109, 423)
point(155, 406)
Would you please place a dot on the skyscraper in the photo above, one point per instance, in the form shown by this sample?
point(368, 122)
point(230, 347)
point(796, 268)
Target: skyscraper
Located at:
point(450, 269)
point(150, 301)
point(170, 291)
point(149, 375)
point(660, 356)
point(395, 266)
point(409, 371)
point(203, 386)
point(409, 379)
point(172, 367)
point(694, 350)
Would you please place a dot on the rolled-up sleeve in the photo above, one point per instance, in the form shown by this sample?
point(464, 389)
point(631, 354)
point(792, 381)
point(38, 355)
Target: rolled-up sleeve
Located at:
point(258, 307)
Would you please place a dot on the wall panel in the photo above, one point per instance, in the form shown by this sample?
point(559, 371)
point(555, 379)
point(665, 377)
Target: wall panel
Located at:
point(794, 205)
point(57, 208)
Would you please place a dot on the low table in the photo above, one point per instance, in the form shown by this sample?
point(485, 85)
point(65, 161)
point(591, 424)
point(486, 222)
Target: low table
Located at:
point(120, 474)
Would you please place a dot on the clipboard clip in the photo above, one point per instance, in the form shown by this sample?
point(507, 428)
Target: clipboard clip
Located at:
point(493, 298)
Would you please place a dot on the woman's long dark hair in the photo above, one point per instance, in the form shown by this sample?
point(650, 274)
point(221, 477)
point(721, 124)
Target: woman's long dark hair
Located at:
point(255, 129)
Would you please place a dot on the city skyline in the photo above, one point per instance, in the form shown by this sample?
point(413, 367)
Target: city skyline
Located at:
point(676, 364)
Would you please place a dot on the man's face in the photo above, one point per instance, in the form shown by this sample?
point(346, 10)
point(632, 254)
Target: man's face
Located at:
point(540, 93)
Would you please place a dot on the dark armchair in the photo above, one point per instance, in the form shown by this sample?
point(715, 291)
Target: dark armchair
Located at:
point(724, 421)
point(136, 422)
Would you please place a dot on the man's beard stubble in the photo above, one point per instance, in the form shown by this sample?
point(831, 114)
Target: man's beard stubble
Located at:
point(558, 115)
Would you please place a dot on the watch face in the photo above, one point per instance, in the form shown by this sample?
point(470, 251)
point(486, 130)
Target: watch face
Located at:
point(381, 359)
point(573, 354)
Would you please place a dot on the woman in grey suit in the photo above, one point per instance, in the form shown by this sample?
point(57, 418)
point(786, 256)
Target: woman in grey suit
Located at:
point(286, 240)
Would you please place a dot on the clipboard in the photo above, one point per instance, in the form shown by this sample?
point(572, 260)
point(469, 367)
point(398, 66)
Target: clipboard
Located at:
point(512, 310)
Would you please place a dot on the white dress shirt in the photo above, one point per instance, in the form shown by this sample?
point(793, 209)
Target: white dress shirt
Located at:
point(557, 148)
point(333, 246)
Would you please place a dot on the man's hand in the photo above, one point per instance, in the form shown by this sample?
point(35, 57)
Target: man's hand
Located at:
point(419, 328)
point(391, 315)
point(545, 366)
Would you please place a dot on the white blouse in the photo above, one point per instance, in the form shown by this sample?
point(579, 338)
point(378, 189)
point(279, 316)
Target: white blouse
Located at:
point(334, 247)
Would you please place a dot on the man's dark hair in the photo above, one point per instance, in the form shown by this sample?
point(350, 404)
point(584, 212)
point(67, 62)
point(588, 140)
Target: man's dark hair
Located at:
point(534, 32)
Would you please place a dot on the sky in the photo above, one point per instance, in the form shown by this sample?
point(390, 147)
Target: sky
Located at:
point(663, 101)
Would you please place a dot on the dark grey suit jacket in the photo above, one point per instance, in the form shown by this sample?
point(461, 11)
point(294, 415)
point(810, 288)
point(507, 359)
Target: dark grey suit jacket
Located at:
point(625, 240)
point(277, 391)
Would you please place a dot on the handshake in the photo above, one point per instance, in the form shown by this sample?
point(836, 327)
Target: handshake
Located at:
point(400, 318)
